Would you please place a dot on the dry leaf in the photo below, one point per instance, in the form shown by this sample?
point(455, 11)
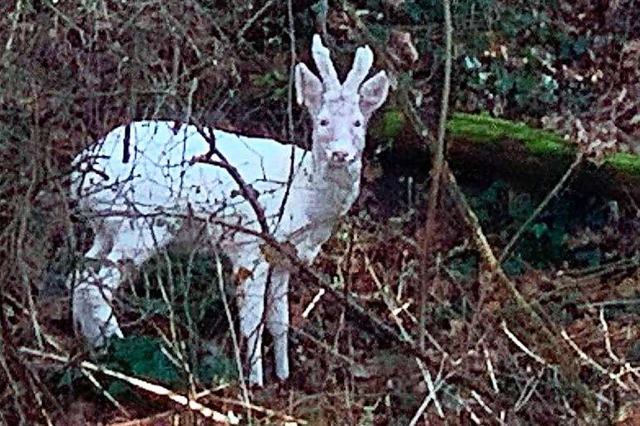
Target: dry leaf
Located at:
point(401, 49)
point(279, 256)
point(241, 275)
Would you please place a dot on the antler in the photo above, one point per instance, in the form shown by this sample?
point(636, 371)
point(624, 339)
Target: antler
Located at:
point(361, 65)
point(325, 66)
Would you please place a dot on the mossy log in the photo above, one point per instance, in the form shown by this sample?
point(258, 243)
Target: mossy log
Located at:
point(482, 148)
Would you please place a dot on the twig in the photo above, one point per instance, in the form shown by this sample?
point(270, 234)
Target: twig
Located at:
point(527, 391)
point(20, 257)
point(521, 345)
point(15, 19)
point(344, 264)
point(291, 136)
point(69, 21)
point(313, 303)
point(405, 335)
point(149, 387)
point(608, 268)
point(394, 310)
point(8, 373)
point(331, 350)
point(105, 392)
point(234, 337)
point(494, 266)
point(467, 213)
point(425, 402)
point(436, 173)
point(492, 374)
point(253, 19)
point(247, 192)
point(257, 408)
point(192, 91)
point(478, 398)
point(593, 362)
point(506, 253)
point(607, 336)
point(475, 395)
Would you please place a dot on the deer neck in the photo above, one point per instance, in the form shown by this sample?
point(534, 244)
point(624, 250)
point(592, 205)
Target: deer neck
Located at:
point(330, 191)
point(322, 194)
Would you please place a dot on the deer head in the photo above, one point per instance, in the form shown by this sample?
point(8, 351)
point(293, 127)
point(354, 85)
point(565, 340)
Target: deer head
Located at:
point(340, 112)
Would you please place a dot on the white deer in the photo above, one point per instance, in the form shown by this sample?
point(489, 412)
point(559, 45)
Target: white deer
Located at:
point(138, 184)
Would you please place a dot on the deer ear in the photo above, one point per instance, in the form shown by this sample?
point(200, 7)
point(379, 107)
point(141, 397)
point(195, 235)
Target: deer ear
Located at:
point(309, 88)
point(373, 93)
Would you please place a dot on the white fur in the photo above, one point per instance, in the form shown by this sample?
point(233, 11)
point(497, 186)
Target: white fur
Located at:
point(143, 203)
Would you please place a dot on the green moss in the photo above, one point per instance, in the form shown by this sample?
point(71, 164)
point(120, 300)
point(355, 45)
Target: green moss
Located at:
point(624, 162)
point(482, 128)
point(486, 129)
point(391, 124)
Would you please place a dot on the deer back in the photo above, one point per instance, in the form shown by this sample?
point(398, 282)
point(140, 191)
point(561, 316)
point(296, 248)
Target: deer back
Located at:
point(161, 178)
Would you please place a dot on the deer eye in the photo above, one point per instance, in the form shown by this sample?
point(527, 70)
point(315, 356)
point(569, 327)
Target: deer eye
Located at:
point(357, 123)
point(324, 122)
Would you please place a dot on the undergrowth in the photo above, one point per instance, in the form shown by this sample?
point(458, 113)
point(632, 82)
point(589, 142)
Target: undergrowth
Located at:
point(375, 259)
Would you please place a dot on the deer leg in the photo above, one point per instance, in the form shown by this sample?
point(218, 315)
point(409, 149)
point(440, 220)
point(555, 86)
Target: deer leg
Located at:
point(116, 241)
point(278, 321)
point(251, 311)
point(92, 310)
point(93, 292)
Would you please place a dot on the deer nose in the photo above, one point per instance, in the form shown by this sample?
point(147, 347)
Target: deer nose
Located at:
point(339, 156)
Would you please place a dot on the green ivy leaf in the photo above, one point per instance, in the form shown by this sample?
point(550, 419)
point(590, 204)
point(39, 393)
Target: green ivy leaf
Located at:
point(539, 229)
